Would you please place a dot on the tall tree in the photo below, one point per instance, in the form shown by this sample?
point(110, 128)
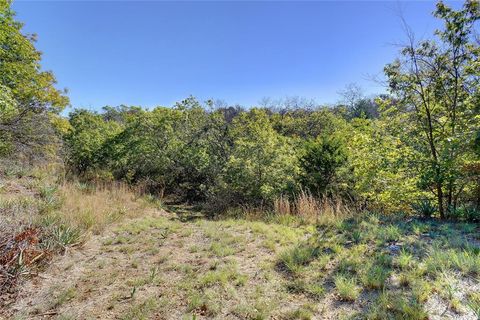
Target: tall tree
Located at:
point(27, 93)
point(436, 86)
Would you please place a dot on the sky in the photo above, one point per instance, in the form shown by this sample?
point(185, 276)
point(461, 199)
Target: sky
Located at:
point(156, 53)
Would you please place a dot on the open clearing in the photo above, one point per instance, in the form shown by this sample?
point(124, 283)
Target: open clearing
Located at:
point(160, 267)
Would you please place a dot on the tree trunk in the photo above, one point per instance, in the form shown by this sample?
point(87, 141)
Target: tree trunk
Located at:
point(450, 204)
point(441, 209)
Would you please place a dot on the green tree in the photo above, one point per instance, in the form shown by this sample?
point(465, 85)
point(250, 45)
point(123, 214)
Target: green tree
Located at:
point(320, 162)
point(27, 94)
point(87, 138)
point(263, 164)
point(380, 167)
point(435, 84)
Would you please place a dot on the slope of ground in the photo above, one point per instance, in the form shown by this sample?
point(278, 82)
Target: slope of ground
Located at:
point(158, 267)
point(112, 255)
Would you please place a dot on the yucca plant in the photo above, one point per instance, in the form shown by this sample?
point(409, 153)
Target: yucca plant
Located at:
point(425, 208)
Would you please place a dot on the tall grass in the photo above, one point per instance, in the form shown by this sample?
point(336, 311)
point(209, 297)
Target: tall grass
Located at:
point(93, 207)
point(282, 206)
point(312, 209)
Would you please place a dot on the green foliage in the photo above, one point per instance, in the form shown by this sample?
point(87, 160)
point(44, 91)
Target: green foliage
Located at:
point(262, 164)
point(378, 163)
point(88, 136)
point(435, 99)
point(380, 154)
point(425, 208)
point(27, 94)
point(320, 162)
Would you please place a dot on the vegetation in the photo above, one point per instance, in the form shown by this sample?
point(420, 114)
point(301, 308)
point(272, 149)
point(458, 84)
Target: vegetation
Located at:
point(29, 102)
point(365, 209)
point(413, 147)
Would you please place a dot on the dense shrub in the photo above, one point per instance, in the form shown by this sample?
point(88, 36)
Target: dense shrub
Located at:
point(380, 153)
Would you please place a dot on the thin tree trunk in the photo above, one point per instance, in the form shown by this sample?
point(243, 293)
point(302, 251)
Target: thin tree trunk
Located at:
point(441, 209)
point(450, 205)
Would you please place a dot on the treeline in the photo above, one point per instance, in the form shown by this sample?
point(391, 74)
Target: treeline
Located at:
point(231, 157)
point(227, 157)
point(415, 148)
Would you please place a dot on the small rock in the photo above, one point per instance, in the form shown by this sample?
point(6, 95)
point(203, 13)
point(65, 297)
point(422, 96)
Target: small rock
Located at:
point(394, 248)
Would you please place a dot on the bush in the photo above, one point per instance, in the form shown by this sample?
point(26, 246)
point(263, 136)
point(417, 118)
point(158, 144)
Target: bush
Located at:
point(320, 162)
point(425, 208)
point(464, 212)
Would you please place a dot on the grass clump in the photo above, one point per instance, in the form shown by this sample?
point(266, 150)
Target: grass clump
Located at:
point(390, 233)
point(305, 312)
point(390, 306)
point(375, 276)
point(221, 249)
point(464, 261)
point(404, 260)
point(64, 296)
point(347, 288)
point(227, 274)
point(473, 302)
point(425, 208)
point(205, 303)
point(141, 311)
point(311, 289)
point(295, 258)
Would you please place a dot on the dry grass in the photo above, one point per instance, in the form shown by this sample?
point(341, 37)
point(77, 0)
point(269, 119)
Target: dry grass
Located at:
point(115, 273)
point(92, 208)
point(40, 217)
point(220, 269)
point(312, 209)
point(282, 206)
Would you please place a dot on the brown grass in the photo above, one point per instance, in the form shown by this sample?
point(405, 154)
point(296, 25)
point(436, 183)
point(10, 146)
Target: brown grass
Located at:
point(94, 208)
point(312, 209)
point(282, 206)
point(39, 218)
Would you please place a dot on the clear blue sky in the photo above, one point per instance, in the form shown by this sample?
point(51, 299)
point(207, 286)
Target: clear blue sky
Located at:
point(156, 53)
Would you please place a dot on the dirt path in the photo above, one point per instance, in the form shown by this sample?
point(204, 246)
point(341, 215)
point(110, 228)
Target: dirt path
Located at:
point(158, 267)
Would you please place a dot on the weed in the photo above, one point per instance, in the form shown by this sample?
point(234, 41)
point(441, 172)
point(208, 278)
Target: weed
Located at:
point(64, 296)
point(351, 260)
point(304, 312)
point(357, 236)
point(404, 260)
point(390, 233)
point(221, 249)
point(61, 236)
point(313, 290)
point(473, 301)
point(389, 306)
point(346, 288)
point(468, 263)
point(222, 276)
point(421, 290)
